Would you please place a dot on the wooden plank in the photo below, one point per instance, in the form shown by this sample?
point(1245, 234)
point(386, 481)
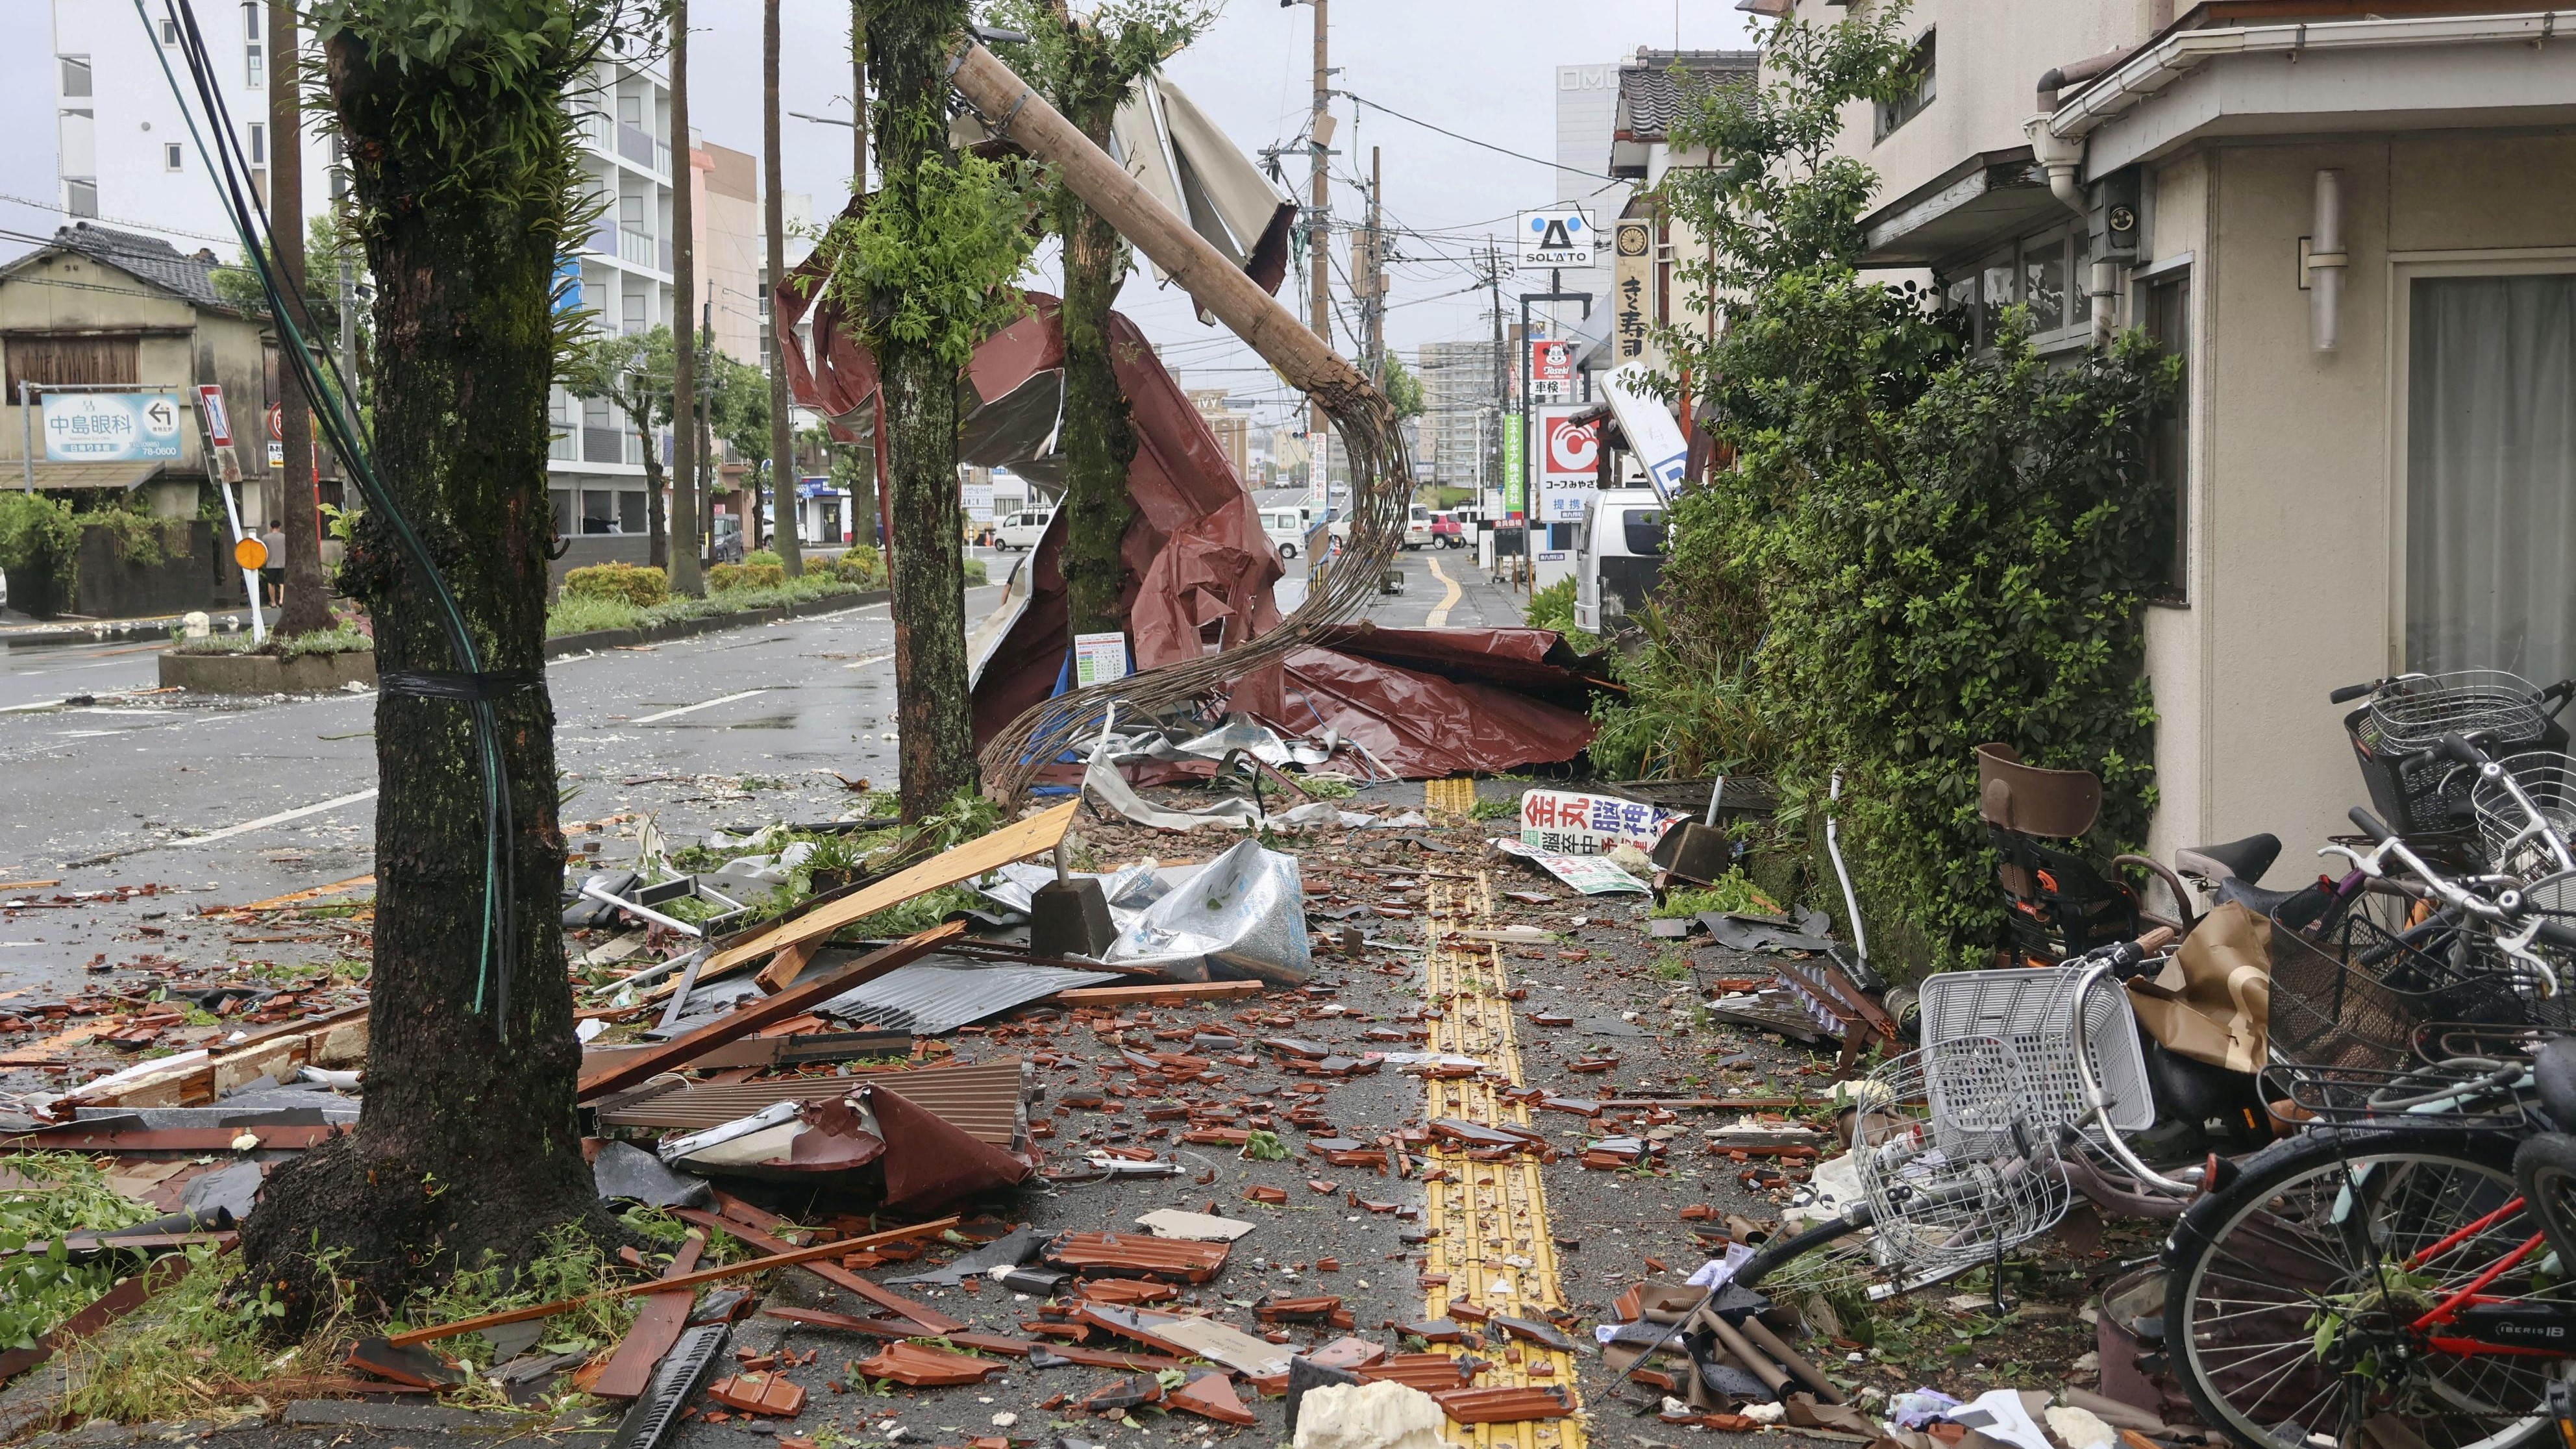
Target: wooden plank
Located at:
point(108, 1307)
point(290, 898)
point(742, 1021)
point(334, 1037)
point(790, 1258)
point(787, 965)
point(833, 1273)
point(770, 1051)
point(28, 885)
point(1169, 991)
point(1012, 842)
point(657, 1326)
point(104, 1137)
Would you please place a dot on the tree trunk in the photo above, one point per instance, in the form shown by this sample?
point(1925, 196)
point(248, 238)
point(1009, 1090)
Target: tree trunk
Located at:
point(782, 431)
point(308, 598)
point(686, 578)
point(1099, 433)
point(907, 42)
point(467, 1144)
point(656, 527)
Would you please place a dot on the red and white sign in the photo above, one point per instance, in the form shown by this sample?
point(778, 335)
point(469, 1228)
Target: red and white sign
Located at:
point(1551, 371)
point(276, 423)
point(1569, 458)
point(219, 423)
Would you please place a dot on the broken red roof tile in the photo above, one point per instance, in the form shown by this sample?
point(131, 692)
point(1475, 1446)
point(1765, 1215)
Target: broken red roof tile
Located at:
point(1502, 1405)
point(1211, 1395)
point(1136, 1255)
point(919, 1367)
point(762, 1394)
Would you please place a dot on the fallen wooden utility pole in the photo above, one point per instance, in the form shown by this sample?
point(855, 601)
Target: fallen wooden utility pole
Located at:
point(1381, 475)
point(788, 1259)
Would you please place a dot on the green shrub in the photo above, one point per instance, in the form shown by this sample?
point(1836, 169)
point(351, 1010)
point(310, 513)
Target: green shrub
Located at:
point(765, 556)
point(724, 578)
point(976, 574)
point(634, 583)
point(39, 537)
point(141, 539)
point(343, 638)
point(860, 565)
point(589, 613)
point(1551, 607)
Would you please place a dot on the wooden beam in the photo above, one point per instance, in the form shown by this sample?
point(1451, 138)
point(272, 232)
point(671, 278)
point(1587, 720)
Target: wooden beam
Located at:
point(931, 1319)
point(742, 1021)
point(1168, 991)
point(788, 1259)
point(1012, 842)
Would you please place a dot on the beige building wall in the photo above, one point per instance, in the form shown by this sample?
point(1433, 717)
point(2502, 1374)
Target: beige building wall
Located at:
point(729, 248)
point(2299, 486)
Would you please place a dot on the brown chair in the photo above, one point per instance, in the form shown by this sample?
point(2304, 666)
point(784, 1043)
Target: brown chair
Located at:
point(2057, 903)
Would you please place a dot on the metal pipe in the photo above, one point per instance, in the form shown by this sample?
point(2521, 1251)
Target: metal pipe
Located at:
point(2326, 262)
point(1790, 1359)
point(1773, 1377)
point(602, 894)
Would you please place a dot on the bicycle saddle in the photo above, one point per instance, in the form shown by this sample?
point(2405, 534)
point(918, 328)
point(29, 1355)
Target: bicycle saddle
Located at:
point(2244, 860)
point(2305, 903)
point(2554, 1068)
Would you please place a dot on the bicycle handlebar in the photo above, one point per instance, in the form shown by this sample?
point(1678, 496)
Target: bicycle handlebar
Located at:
point(2350, 692)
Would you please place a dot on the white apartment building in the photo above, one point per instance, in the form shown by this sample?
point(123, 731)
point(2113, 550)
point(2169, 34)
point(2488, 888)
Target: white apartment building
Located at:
point(125, 156)
point(2352, 220)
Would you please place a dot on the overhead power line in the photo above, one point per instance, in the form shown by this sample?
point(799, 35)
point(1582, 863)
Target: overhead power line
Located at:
point(1470, 140)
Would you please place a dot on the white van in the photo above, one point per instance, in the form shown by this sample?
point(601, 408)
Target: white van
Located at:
point(1286, 528)
point(1618, 556)
point(1417, 528)
point(1023, 529)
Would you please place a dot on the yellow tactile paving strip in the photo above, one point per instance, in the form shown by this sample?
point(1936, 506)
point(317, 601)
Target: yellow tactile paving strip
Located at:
point(1487, 1220)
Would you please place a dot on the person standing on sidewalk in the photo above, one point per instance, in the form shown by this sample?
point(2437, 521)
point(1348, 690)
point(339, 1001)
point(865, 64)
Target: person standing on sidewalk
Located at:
point(272, 574)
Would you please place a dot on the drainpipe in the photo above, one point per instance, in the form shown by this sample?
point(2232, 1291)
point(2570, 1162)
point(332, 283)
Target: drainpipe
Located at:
point(2063, 157)
point(2326, 262)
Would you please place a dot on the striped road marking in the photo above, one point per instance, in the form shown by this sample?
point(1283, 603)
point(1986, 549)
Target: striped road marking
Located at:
point(694, 708)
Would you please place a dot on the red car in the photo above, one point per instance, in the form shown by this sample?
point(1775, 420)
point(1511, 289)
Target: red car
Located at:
point(1447, 531)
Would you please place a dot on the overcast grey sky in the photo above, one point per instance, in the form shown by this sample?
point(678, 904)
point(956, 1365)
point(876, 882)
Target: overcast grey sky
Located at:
point(1485, 68)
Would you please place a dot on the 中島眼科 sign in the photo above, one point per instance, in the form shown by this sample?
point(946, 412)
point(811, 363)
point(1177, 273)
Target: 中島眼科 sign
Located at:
point(110, 427)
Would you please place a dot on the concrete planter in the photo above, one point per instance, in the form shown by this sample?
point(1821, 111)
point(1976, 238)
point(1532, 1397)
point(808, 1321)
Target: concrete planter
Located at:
point(267, 674)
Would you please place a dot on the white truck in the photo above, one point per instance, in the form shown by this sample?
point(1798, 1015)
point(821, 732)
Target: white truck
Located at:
point(1618, 556)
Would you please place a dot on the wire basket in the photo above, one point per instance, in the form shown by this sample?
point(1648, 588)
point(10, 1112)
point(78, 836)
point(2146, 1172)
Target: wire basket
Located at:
point(2031, 1010)
point(1962, 1177)
point(2353, 993)
point(2511, 843)
point(2395, 733)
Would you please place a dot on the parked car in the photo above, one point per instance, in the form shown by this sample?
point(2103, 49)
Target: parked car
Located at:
point(727, 547)
point(1618, 556)
point(1022, 530)
point(1417, 528)
point(1286, 528)
point(1447, 531)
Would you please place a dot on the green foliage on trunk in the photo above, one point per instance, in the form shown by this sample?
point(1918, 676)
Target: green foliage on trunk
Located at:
point(1085, 66)
point(1920, 547)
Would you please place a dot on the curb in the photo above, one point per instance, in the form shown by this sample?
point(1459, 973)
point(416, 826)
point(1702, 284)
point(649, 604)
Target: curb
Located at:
point(563, 645)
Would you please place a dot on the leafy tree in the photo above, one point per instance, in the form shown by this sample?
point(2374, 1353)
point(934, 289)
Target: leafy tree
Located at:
point(1920, 547)
point(1086, 65)
point(466, 175)
point(632, 372)
point(1403, 390)
point(927, 272)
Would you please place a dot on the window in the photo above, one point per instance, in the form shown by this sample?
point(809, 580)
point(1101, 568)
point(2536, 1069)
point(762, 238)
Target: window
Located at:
point(631, 313)
point(37, 357)
point(2491, 474)
point(169, 31)
point(76, 77)
point(80, 198)
point(2167, 308)
point(1996, 290)
point(1918, 93)
point(174, 157)
point(255, 141)
point(254, 58)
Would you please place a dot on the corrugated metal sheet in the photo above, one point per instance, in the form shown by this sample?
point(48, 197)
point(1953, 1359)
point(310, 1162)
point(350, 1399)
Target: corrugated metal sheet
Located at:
point(931, 998)
point(981, 1099)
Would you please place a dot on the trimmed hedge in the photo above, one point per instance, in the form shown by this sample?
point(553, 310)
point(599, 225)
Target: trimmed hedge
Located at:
point(629, 583)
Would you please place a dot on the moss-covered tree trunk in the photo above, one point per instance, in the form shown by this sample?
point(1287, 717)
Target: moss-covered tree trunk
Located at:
point(1099, 433)
point(468, 1142)
point(907, 41)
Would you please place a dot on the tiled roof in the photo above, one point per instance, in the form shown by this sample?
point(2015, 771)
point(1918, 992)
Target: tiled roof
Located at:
point(1651, 95)
point(190, 276)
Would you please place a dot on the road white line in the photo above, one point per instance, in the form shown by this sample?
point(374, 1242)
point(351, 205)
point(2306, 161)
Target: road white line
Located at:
point(39, 704)
point(694, 708)
point(864, 663)
point(1440, 612)
point(280, 818)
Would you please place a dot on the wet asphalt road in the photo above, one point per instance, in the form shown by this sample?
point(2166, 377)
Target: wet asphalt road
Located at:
point(225, 801)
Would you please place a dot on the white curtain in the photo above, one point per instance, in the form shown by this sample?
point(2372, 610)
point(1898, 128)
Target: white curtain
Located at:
point(2491, 475)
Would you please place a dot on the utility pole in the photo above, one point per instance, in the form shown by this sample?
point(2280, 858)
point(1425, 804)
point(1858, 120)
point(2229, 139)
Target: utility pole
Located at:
point(685, 507)
point(306, 603)
point(1502, 391)
point(1319, 231)
point(782, 431)
point(1374, 307)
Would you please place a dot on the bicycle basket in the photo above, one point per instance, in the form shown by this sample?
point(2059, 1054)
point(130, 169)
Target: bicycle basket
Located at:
point(2031, 1012)
point(2395, 733)
point(2351, 994)
point(2511, 843)
point(1955, 1168)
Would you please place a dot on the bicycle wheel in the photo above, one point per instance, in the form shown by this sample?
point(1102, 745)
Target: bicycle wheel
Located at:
point(2297, 1293)
point(2544, 1168)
